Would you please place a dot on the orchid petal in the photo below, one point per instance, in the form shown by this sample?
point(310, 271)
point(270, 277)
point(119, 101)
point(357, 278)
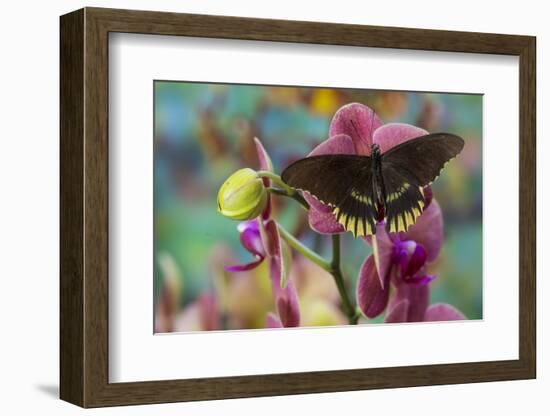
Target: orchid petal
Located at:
point(392, 134)
point(324, 222)
point(286, 301)
point(358, 122)
point(272, 321)
point(244, 267)
point(402, 256)
point(279, 261)
point(201, 315)
point(382, 250)
point(398, 313)
point(443, 312)
point(286, 259)
point(420, 280)
point(337, 144)
point(270, 236)
point(428, 196)
point(418, 298)
point(428, 231)
point(209, 312)
point(252, 241)
point(416, 261)
point(265, 164)
point(263, 157)
point(372, 298)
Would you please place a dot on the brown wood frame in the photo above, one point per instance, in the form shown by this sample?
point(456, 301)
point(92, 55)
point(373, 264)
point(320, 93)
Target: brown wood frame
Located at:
point(84, 207)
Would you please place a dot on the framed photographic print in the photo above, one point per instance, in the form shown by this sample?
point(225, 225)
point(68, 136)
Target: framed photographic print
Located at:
point(261, 207)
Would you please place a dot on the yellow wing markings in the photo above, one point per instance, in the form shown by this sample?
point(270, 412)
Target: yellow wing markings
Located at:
point(350, 223)
point(403, 220)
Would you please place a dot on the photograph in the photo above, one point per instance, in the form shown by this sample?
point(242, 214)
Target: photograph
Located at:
point(258, 203)
point(289, 206)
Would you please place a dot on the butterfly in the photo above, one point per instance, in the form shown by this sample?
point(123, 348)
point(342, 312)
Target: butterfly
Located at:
point(364, 189)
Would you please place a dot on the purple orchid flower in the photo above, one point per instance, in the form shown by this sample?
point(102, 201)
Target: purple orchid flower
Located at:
point(399, 262)
point(251, 240)
point(261, 238)
point(353, 130)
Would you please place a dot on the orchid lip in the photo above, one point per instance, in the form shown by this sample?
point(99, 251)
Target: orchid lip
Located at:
point(410, 257)
point(251, 240)
point(420, 280)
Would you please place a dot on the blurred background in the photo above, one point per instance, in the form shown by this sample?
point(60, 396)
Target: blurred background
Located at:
point(204, 132)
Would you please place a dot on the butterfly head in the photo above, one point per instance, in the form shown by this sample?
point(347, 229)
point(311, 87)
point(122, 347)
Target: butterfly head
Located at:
point(375, 150)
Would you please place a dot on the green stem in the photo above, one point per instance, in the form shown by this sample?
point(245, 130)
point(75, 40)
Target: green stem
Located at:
point(277, 180)
point(333, 267)
point(305, 251)
point(296, 196)
point(336, 272)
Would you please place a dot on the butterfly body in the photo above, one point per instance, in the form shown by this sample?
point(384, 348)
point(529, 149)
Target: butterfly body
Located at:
point(378, 189)
point(363, 189)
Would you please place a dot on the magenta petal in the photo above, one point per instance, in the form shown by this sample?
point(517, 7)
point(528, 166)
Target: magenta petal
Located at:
point(315, 204)
point(418, 298)
point(358, 122)
point(443, 312)
point(286, 298)
point(277, 262)
point(324, 222)
point(428, 231)
point(209, 312)
point(371, 297)
point(265, 164)
point(244, 267)
point(270, 237)
point(421, 280)
point(337, 144)
point(382, 249)
point(263, 157)
point(390, 135)
point(286, 301)
point(398, 313)
point(251, 240)
point(272, 321)
point(417, 260)
point(428, 196)
point(402, 256)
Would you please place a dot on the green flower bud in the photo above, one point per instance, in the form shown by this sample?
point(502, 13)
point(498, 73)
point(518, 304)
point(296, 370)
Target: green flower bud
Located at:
point(242, 196)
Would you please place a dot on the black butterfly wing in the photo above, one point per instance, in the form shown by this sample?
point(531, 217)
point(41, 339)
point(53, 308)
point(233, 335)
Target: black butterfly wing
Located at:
point(410, 166)
point(421, 160)
point(342, 181)
point(404, 201)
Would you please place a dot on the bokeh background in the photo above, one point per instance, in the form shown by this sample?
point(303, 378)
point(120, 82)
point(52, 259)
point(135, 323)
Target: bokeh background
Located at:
point(204, 132)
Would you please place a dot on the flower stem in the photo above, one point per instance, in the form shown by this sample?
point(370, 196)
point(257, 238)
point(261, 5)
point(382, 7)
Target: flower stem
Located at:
point(296, 196)
point(336, 272)
point(333, 267)
point(305, 251)
point(277, 180)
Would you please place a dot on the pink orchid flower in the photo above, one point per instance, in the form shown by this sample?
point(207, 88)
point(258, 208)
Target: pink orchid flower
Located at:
point(399, 262)
point(353, 130)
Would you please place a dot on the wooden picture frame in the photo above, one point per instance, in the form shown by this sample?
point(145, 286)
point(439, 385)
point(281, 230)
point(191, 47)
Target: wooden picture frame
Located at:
point(84, 207)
